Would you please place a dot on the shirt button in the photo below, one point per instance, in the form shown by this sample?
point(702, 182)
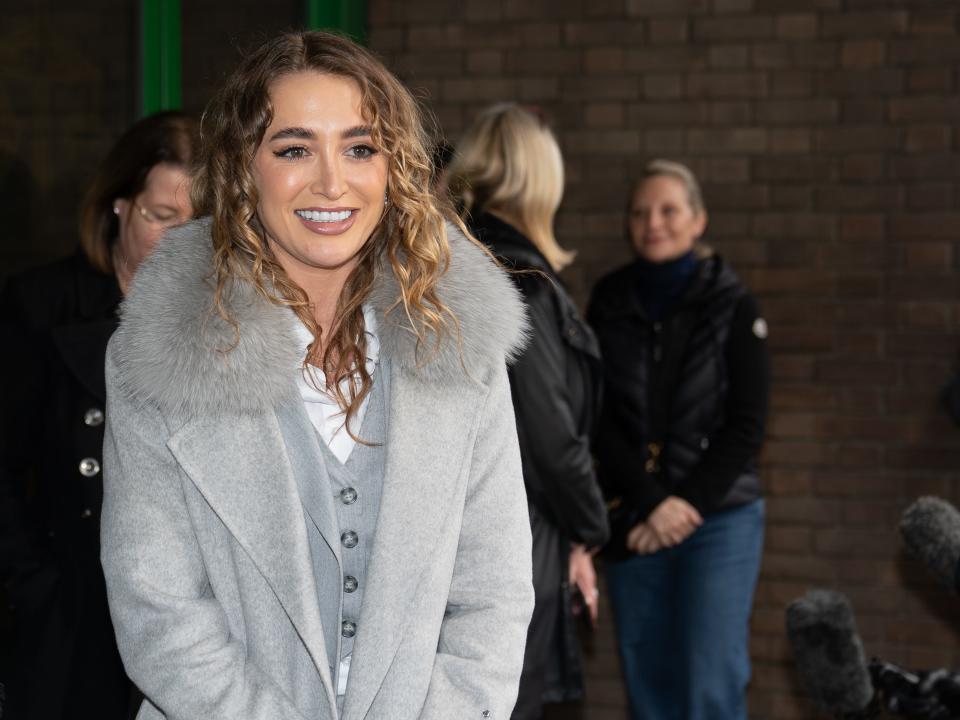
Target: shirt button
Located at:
point(93, 417)
point(348, 496)
point(348, 629)
point(350, 584)
point(89, 467)
point(349, 539)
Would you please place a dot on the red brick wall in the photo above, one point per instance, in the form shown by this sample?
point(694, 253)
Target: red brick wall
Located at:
point(825, 132)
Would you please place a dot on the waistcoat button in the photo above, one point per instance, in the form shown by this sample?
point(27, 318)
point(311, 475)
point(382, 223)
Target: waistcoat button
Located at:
point(348, 629)
point(93, 417)
point(348, 496)
point(89, 467)
point(350, 584)
point(349, 539)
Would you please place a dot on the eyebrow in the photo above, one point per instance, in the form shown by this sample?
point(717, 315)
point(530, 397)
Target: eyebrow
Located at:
point(302, 133)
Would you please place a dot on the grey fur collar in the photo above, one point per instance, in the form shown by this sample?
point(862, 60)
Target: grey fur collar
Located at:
point(168, 349)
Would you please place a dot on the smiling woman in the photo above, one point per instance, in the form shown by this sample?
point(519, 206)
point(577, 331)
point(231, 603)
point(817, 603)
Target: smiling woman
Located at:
point(310, 434)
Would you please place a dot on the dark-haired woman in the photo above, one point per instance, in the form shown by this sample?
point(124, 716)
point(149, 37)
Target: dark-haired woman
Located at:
point(685, 365)
point(60, 317)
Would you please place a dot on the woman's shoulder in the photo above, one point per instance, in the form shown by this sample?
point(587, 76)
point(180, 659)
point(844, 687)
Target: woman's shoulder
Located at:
point(175, 351)
point(490, 319)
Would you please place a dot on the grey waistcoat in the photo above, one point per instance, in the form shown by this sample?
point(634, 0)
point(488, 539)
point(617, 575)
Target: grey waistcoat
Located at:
point(356, 488)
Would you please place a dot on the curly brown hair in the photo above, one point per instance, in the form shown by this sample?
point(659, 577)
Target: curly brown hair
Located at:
point(410, 240)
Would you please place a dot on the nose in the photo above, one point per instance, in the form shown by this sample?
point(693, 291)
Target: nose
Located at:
point(329, 178)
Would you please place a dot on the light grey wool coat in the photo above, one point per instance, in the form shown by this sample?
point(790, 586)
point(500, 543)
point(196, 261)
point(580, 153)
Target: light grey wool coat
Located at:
point(204, 540)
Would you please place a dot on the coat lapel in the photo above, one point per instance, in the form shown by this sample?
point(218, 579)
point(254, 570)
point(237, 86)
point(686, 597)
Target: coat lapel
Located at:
point(430, 431)
point(83, 348)
point(241, 466)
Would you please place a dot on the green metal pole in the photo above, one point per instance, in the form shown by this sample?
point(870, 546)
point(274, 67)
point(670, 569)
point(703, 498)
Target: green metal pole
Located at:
point(160, 56)
point(346, 16)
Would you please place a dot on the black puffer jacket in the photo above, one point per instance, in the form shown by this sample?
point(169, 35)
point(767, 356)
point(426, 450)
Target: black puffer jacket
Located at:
point(556, 390)
point(686, 396)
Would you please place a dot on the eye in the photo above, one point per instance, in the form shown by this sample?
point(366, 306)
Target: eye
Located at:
point(294, 152)
point(361, 152)
point(669, 211)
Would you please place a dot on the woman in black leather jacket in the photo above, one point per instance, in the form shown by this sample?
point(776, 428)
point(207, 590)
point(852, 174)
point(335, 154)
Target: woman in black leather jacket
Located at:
point(507, 175)
point(686, 375)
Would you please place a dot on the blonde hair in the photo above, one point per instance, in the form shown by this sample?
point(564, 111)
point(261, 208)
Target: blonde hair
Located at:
point(410, 240)
point(670, 168)
point(509, 161)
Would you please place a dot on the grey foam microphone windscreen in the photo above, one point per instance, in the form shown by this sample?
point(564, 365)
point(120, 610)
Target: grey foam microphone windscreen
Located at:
point(930, 527)
point(828, 652)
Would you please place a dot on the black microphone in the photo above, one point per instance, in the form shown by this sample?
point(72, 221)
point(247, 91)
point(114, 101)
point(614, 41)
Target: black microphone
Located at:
point(931, 530)
point(829, 654)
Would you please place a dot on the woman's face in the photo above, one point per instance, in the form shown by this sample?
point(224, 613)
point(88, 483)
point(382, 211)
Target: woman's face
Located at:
point(320, 179)
point(163, 203)
point(663, 226)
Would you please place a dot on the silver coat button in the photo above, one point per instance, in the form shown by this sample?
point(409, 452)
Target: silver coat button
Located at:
point(486, 714)
point(93, 417)
point(704, 443)
point(349, 539)
point(350, 584)
point(89, 467)
point(348, 629)
point(86, 514)
point(348, 496)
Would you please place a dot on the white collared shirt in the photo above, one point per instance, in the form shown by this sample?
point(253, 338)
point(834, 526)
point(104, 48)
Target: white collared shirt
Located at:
point(322, 408)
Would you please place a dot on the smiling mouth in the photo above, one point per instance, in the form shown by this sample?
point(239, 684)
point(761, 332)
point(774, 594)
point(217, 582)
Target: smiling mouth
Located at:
point(324, 216)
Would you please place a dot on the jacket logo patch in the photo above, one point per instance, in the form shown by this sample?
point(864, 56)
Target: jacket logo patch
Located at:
point(760, 328)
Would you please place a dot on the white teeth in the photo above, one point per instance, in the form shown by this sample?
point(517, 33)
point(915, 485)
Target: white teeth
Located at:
point(323, 215)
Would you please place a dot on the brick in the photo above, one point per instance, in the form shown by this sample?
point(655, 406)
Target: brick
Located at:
point(603, 60)
point(733, 28)
point(726, 85)
point(766, 56)
point(485, 62)
point(605, 115)
point(605, 88)
point(646, 8)
point(733, 141)
point(604, 32)
point(644, 59)
point(663, 86)
point(869, 167)
point(797, 26)
point(937, 166)
point(730, 112)
point(538, 89)
point(428, 37)
point(663, 142)
point(794, 112)
point(883, 81)
point(789, 141)
point(474, 10)
point(863, 111)
point(791, 84)
point(541, 61)
point(794, 225)
point(857, 139)
point(727, 57)
point(854, 197)
point(540, 34)
point(727, 170)
point(668, 114)
point(925, 109)
point(933, 21)
point(433, 63)
point(929, 138)
point(861, 54)
point(668, 31)
point(485, 36)
point(862, 227)
point(929, 225)
point(737, 197)
point(930, 79)
point(924, 50)
point(930, 196)
point(865, 24)
point(477, 89)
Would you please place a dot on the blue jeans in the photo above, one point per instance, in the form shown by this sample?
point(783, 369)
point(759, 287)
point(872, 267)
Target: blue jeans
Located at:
point(682, 617)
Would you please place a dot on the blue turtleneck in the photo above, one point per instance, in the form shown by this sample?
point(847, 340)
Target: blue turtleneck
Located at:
point(660, 285)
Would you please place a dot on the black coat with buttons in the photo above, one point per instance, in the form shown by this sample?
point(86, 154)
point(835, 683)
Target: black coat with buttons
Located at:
point(556, 392)
point(57, 320)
